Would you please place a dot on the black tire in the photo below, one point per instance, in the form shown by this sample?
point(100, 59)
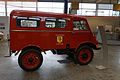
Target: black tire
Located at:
point(84, 55)
point(30, 59)
point(54, 51)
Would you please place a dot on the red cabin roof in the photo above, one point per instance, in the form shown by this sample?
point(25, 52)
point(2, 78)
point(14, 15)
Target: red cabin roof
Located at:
point(42, 14)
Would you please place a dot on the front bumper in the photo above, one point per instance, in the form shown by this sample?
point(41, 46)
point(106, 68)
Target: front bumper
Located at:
point(98, 47)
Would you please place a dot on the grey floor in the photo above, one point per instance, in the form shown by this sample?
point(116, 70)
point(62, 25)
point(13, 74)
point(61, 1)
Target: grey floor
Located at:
point(53, 70)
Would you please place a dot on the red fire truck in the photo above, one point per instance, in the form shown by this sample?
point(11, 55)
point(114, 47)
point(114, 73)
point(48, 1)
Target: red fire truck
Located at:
point(34, 32)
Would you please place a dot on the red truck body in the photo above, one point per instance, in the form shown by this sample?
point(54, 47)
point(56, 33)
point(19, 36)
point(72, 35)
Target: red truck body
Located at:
point(49, 31)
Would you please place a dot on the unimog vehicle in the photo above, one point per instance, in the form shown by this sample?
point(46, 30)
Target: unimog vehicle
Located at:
point(34, 32)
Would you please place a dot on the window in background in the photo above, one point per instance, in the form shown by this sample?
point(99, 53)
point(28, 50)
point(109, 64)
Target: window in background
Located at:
point(51, 7)
point(20, 6)
point(87, 12)
point(103, 12)
point(115, 13)
point(2, 8)
point(12, 6)
point(87, 9)
point(105, 6)
point(28, 6)
point(106, 10)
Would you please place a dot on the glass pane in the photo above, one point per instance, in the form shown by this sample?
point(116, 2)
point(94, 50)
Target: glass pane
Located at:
point(86, 9)
point(58, 5)
point(105, 6)
point(83, 25)
point(76, 25)
point(2, 8)
point(111, 14)
point(80, 25)
point(88, 12)
point(103, 12)
point(115, 13)
point(87, 5)
point(20, 6)
point(55, 23)
point(79, 12)
point(29, 4)
point(50, 24)
point(28, 23)
point(51, 7)
point(12, 6)
point(118, 1)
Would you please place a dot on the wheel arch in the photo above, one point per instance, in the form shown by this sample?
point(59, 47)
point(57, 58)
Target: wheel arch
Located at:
point(91, 45)
point(32, 47)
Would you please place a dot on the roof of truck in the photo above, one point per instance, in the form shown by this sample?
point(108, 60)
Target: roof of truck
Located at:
point(42, 14)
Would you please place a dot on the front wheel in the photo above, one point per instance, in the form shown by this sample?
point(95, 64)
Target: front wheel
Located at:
point(30, 59)
point(84, 55)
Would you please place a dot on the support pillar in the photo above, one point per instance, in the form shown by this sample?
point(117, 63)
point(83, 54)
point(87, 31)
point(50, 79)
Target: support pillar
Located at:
point(65, 6)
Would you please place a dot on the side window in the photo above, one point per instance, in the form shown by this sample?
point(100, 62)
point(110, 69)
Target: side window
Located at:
point(28, 22)
point(55, 23)
point(76, 25)
point(80, 25)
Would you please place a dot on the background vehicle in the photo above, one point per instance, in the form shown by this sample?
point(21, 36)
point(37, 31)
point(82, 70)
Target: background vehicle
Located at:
point(34, 32)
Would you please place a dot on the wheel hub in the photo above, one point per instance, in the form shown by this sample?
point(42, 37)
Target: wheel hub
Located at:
point(84, 55)
point(30, 60)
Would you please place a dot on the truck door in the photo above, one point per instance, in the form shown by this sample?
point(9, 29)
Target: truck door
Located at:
point(81, 32)
point(58, 32)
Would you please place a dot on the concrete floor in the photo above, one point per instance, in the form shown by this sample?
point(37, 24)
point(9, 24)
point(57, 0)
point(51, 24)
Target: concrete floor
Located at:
point(53, 70)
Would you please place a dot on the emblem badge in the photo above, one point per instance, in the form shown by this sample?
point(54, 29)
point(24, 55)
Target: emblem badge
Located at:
point(59, 39)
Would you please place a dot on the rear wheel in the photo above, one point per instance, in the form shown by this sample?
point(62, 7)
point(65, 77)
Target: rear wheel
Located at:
point(30, 59)
point(84, 55)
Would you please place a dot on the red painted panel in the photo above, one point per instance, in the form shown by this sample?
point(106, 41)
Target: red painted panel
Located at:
point(47, 38)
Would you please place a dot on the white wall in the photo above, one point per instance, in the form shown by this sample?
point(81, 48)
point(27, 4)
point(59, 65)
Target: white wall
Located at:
point(4, 26)
point(102, 21)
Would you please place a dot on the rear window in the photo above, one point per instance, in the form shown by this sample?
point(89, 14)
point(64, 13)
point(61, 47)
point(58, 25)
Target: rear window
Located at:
point(28, 22)
point(55, 23)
